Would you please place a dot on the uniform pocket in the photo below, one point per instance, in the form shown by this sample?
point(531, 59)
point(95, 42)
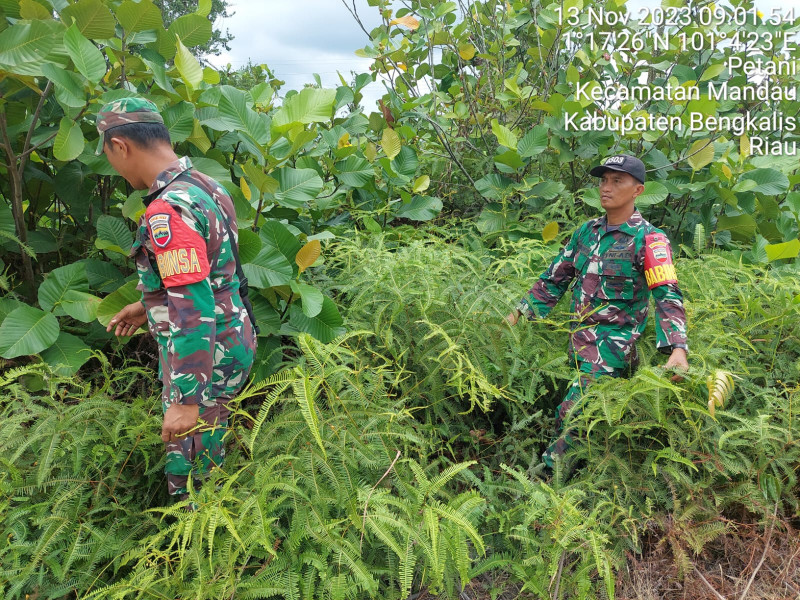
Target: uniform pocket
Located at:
point(616, 281)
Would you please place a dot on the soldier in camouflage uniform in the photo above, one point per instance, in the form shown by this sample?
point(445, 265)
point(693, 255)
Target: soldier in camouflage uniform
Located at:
point(190, 289)
point(616, 263)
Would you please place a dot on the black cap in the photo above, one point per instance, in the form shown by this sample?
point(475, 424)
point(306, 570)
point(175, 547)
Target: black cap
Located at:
point(623, 163)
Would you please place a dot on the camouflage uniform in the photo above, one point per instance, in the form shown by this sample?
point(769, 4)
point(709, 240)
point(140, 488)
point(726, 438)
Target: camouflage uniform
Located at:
point(187, 276)
point(615, 271)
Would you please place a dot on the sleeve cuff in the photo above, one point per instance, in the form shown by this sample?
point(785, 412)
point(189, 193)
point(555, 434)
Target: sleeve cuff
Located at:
point(525, 310)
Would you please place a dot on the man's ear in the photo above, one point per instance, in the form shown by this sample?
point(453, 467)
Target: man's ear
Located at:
point(119, 144)
point(639, 190)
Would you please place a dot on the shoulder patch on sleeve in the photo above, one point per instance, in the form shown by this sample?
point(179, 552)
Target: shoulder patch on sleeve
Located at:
point(180, 251)
point(658, 266)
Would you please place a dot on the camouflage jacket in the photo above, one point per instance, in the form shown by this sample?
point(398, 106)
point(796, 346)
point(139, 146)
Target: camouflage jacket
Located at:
point(614, 274)
point(187, 276)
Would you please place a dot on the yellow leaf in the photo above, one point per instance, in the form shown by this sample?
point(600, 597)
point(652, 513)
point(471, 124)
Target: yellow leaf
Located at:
point(421, 184)
point(371, 152)
point(408, 21)
point(720, 387)
point(344, 141)
point(466, 51)
point(700, 154)
point(744, 146)
point(550, 231)
point(245, 189)
point(727, 171)
point(390, 142)
point(308, 255)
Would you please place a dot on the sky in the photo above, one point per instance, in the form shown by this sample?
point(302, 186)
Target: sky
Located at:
point(297, 38)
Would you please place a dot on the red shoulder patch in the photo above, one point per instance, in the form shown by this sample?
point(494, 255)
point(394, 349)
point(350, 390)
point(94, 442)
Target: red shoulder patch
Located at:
point(180, 251)
point(658, 266)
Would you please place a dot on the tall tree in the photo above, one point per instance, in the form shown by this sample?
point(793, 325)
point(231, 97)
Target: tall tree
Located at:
point(172, 9)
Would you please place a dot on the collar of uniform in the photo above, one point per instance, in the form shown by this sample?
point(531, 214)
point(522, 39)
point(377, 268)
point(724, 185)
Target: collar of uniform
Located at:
point(167, 176)
point(630, 226)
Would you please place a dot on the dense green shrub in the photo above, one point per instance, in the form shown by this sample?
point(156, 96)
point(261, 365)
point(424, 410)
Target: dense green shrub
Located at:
point(403, 456)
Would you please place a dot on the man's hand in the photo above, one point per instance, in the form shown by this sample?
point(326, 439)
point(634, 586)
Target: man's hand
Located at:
point(677, 360)
point(128, 320)
point(513, 317)
point(178, 420)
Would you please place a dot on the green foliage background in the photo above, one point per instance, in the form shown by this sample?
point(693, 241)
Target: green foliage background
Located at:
point(390, 440)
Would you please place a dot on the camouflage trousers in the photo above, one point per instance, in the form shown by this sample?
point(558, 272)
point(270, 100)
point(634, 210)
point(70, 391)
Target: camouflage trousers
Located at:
point(588, 374)
point(197, 453)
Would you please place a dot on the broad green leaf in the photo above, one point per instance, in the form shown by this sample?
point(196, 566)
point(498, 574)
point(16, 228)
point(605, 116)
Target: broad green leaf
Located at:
point(267, 318)
point(116, 301)
point(113, 234)
point(700, 154)
point(504, 135)
point(134, 206)
point(421, 208)
point(190, 70)
point(534, 142)
point(92, 17)
point(466, 51)
point(270, 268)
point(785, 250)
point(550, 232)
point(493, 186)
point(390, 142)
point(654, 193)
point(712, 71)
point(81, 306)
point(87, 58)
point(742, 227)
point(27, 330)
point(422, 183)
point(311, 105)
point(406, 163)
point(308, 255)
point(199, 138)
point(139, 16)
point(68, 86)
point(69, 142)
point(103, 276)
point(265, 183)
point(238, 116)
point(179, 119)
point(192, 29)
point(572, 74)
point(30, 10)
point(297, 186)
point(67, 354)
point(211, 76)
point(25, 45)
point(312, 299)
point(768, 181)
point(275, 235)
point(326, 326)
point(355, 171)
point(53, 289)
point(492, 219)
point(249, 245)
point(204, 8)
point(157, 65)
point(591, 196)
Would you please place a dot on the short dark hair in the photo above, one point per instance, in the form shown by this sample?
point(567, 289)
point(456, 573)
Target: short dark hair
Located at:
point(144, 135)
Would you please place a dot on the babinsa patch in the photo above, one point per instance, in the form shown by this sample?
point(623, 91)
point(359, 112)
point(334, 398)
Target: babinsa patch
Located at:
point(161, 234)
point(658, 267)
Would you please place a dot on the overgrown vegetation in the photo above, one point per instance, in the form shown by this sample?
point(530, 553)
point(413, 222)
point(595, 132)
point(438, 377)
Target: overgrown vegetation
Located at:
point(377, 467)
point(389, 443)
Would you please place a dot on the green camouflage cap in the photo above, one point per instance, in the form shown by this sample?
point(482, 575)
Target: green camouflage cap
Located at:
point(124, 111)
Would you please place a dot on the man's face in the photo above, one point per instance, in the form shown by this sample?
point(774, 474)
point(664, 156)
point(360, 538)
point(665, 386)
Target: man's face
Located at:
point(118, 152)
point(618, 190)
